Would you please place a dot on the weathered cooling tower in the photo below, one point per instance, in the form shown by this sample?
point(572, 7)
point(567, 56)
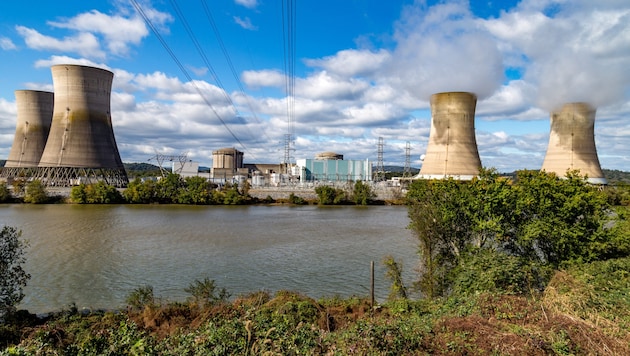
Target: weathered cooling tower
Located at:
point(81, 146)
point(572, 143)
point(452, 148)
point(34, 115)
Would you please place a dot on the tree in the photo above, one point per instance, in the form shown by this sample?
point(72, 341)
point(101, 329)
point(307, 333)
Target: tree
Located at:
point(362, 193)
point(5, 194)
point(12, 276)
point(327, 195)
point(168, 188)
point(35, 192)
point(541, 222)
point(196, 190)
point(139, 192)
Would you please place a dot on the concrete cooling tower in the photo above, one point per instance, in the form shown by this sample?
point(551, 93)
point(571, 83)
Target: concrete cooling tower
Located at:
point(81, 146)
point(572, 143)
point(34, 115)
point(452, 148)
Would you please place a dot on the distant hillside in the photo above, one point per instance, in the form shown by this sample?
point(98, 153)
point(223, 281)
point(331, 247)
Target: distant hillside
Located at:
point(615, 176)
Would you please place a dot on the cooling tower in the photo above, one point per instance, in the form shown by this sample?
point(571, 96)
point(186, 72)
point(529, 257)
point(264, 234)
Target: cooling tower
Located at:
point(34, 115)
point(81, 144)
point(572, 143)
point(452, 148)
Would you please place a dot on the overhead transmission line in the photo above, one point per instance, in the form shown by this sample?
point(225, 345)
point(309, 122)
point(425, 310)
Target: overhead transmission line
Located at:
point(229, 61)
point(289, 35)
point(147, 20)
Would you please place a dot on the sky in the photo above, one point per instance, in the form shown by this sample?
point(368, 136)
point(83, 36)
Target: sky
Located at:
point(194, 76)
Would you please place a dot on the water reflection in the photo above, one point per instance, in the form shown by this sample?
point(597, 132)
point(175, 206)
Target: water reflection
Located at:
point(95, 255)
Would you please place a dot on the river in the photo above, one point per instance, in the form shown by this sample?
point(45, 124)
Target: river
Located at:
point(95, 255)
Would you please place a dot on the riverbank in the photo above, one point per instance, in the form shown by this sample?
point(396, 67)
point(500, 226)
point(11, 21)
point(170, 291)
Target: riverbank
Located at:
point(584, 310)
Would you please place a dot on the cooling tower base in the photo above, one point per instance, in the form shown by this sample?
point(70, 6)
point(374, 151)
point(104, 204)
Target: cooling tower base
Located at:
point(9, 173)
point(71, 176)
point(442, 176)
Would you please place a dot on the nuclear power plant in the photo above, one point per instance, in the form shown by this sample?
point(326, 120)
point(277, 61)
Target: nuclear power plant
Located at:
point(452, 148)
point(34, 115)
point(66, 138)
point(572, 143)
point(80, 145)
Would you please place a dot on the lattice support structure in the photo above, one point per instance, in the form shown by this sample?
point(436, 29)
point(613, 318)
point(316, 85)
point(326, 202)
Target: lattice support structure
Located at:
point(70, 176)
point(407, 169)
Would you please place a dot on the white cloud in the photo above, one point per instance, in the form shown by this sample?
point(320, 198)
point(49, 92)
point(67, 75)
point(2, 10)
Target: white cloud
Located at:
point(263, 78)
point(118, 31)
point(250, 4)
point(442, 48)
point(245, 23)
point(6, 44)
point(352, 62)
point(84, 44)
point(575, 53)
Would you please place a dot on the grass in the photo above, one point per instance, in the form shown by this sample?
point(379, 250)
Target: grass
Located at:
point(584, 310)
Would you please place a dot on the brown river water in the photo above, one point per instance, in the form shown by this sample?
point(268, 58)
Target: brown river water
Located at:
point(95, 255)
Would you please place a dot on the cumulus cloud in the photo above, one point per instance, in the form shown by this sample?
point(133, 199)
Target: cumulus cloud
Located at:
point(576, 52)
point(352, 62)
point(84, 44)
point(119, 32)
point(443, 48)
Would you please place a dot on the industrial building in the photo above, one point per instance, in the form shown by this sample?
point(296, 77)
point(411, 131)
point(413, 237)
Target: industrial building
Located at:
point(452, 148)
point(572, 143)
point(331, 167)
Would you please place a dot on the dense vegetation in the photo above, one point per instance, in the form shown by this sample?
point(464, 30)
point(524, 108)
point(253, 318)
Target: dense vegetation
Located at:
point(536, 265)
point(513, 233)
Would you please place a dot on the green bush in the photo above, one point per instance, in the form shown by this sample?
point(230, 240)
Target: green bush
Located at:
point(12, 276)
point(141, 297)
point(327, 195)
point(35, 193)
point(205, 292)
point(362, 193)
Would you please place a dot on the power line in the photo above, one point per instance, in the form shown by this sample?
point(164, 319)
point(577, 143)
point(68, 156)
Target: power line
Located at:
point(183, 70)
point(229, 61)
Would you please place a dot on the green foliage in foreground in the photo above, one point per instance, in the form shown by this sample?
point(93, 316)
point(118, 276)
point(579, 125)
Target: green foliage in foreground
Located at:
point(512, 234)
point(13, 278)
point(584, 310)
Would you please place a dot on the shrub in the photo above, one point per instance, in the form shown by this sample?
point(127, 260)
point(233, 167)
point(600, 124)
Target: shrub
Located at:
point(362, 193)
point(35, 193)
point(12, 276)
point(329, 196)
point(205, 292)
point(141, 297)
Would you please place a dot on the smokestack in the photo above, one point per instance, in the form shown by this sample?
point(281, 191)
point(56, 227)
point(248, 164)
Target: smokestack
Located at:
point(572, 143)
point(452, 149)
point(81, 144)
point(34, 115)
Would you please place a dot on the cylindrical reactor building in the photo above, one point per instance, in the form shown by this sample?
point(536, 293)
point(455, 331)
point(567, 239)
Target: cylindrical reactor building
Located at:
point(34, 116)
point(452, 148)
point(227, 158)
point(572, 143)
point(81, 139)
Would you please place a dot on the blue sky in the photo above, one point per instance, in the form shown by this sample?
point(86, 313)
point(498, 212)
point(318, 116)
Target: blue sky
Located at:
point(364, 69)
